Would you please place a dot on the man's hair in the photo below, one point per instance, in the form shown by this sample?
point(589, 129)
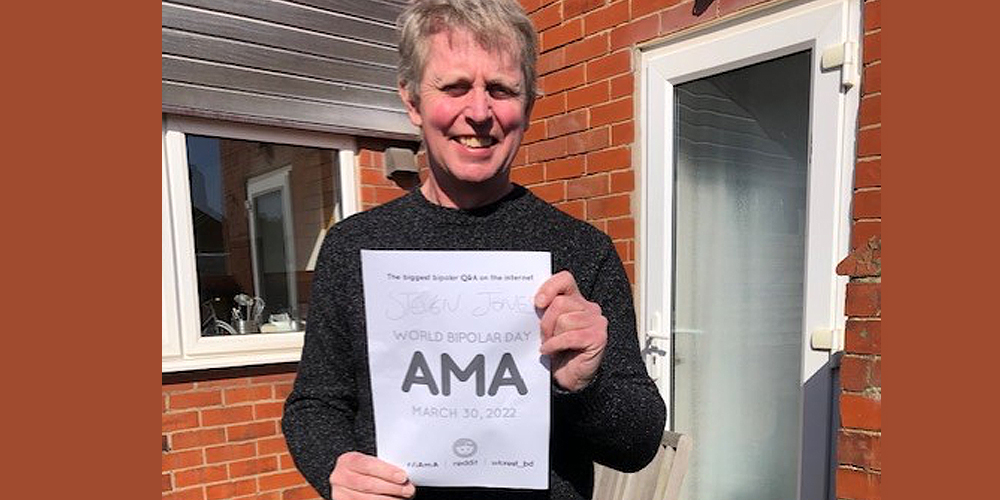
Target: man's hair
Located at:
point(494, 24)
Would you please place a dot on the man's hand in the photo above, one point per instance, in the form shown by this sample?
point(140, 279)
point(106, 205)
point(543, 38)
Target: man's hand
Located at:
point(364, 477)
point(574, 332)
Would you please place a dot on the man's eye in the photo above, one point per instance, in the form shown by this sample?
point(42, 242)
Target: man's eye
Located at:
point(499, 92)
point(455, 89)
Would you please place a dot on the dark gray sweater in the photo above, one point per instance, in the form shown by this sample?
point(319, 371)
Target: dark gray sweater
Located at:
point(617, 420)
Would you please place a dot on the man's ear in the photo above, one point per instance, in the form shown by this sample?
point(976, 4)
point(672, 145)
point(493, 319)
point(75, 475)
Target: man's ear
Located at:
point(411, 107)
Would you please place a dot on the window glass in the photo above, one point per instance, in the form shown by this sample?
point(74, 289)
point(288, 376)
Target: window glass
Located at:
point(260, 211)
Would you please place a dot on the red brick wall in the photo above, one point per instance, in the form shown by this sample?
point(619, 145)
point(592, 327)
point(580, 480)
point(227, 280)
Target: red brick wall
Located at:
point(859, 472)
point(222, 436)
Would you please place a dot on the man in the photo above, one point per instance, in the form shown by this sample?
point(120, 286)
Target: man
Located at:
point(467, 78)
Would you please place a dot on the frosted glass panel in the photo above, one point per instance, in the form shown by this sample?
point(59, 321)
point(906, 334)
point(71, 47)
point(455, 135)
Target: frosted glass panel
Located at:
point(739, 236)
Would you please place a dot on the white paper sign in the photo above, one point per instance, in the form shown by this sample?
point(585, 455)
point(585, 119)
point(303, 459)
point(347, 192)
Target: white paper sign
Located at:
point(460, 391)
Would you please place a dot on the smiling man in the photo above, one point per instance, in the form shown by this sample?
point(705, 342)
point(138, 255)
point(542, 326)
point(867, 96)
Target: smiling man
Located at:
point(467, 78)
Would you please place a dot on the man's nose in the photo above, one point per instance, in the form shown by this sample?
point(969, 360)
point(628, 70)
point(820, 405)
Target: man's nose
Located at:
point(477, 108)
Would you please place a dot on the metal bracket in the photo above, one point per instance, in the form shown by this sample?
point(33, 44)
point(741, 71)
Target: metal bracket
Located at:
point(827, 340)
point(844, 56)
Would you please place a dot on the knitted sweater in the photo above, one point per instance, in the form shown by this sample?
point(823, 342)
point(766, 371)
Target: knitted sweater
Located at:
point(617, 420)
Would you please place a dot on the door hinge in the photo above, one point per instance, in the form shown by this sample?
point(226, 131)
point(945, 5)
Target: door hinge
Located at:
point(827, 339)
point(845, 56)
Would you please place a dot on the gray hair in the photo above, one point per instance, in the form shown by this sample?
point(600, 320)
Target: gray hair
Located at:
point(493, 23)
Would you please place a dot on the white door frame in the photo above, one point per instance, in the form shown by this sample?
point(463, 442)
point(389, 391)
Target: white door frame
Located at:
point(275, 180)
point(764, 34)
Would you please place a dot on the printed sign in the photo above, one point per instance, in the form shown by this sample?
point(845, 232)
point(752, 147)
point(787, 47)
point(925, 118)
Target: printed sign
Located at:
point(460, 391)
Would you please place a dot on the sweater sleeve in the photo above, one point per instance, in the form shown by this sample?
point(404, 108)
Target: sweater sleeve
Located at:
point(620, 414)
point(319, 414)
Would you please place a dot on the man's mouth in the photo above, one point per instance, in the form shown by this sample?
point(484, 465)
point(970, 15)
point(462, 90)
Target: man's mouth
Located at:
point(475, 141)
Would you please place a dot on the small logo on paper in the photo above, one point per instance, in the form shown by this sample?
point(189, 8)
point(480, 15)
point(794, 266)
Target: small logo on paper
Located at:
point(464, 447)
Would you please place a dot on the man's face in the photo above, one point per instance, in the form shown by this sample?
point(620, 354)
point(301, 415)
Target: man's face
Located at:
point(471, 108)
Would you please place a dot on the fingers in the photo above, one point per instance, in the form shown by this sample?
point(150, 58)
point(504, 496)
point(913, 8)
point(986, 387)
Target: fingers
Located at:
point(589, 340)
point(561, 283)
point(357, 475)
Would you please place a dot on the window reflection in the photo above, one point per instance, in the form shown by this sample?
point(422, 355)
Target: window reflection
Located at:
point(260, 212)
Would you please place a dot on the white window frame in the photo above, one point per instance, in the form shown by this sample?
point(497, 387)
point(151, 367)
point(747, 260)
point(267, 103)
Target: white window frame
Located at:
point(184, 348)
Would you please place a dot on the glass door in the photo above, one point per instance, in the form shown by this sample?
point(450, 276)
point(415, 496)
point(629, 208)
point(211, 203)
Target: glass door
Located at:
point(272, 250)
point(745, 219)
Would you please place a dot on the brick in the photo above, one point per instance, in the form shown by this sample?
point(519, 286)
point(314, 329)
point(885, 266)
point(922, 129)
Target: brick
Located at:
point(165, 483)
point(272, 446)
point(271, 495)
point(609, 65)
point(871, 79)
point(858, 485)
point(563, 79)
point(622, 182)
point(547, 17)
point(201, 475)
point(858, 449)
point(637, 30)
point(576, 7)
point(255, 430)
point(867, 204)
point(163, 406)
point(868, 173)
point(188, 494)
point(230, 452)
point(875, 376)
point(575, 209)
point(531, 5)
point(222, 416)
point(268, 410)
point(536, 132)
point(642, 7)
point(382, 195)
point(854, 373)
point(630, 272)
point(587, 96)
point(863, 231)
point(859, 412)
point(520, 157)
point(870, 142)
point(609, 159)
point(551, 193)
point(195, 399)
point(546, 150)
point(681, 17)
point(561, 35)
point(622, 247)
point(197, 439)
point(622, 85)
point(872, 47)
point(566, 124)
point(169, 388)
point(607, 17)
point(301, 493)
point(621, 228)
point(729, 6)
point(231, 489)
point(587, 49)
point(180, 460)
point(548, 106)
point(863, 337)
point(870, 111)
point(611, 112)
point(176, 421)
point(864, 299)
point(564, 168)
point(551, 61)
point(611, 206)
point(286, 461)
point(622, 133)
point(587, 187)
point(372, 176)
point(528, 174)
point(280, 480)
point(600, 225)
point(277, 378)
point(589, 140)
point(253, 466)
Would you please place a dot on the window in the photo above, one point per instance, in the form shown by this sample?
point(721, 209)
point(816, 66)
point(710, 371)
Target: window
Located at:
point(245, 210)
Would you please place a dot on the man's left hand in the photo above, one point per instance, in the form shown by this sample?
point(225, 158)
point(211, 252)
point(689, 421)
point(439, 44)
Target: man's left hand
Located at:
point(574, 332)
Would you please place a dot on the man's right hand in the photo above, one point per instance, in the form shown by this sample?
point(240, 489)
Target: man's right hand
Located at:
point(364, 477)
